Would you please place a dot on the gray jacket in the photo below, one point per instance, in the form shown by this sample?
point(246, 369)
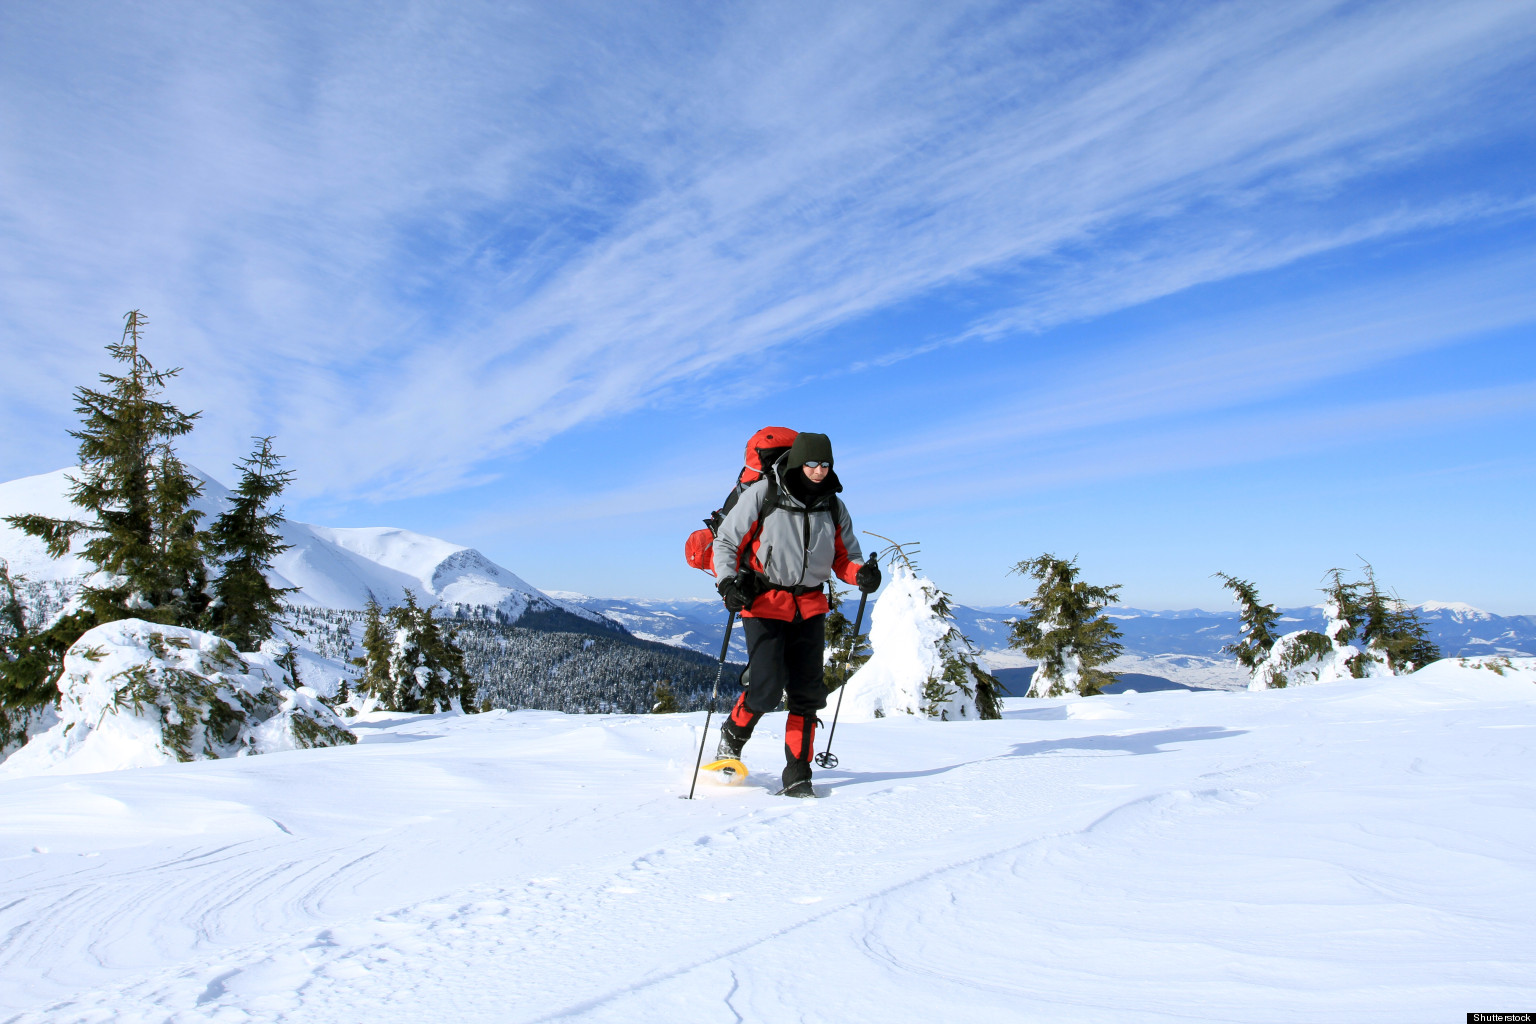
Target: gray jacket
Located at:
point(799, 545)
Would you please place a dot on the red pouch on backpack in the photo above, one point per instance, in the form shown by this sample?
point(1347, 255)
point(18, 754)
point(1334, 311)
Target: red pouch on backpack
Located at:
point(700, 549)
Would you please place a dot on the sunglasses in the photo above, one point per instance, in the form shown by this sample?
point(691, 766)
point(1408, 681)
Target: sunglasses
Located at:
point(818, 465)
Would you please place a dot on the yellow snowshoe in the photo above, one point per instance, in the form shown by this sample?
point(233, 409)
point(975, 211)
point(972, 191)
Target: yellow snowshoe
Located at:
point(728, 769)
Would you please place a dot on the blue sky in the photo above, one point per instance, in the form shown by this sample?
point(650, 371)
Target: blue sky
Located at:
point(1170, 288)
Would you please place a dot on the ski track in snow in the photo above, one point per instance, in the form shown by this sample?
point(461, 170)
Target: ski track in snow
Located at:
point(1359, 852)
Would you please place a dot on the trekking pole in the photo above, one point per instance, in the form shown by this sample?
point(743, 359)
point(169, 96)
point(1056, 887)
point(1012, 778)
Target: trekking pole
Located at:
point(827, 759)
point(725, 645)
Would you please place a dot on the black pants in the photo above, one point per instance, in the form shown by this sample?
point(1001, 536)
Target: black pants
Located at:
point(784, 659)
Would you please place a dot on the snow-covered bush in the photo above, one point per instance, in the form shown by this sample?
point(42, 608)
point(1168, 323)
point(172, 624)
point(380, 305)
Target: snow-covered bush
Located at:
point(1368, 634)
point(137, 693)
point(921, 664)
point(1304, 657)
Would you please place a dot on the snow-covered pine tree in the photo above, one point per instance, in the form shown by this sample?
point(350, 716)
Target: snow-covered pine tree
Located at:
point(1392, 632)
point(1368, 634)
point(1343, 608)
point(140, 527)
point(962, 674)
point(1272, 661)
point(1258, 622)
point(843, 645)
point(424, 668)
point(150, 693)
point(374, 660)
point(244, 538)
point(921, 663)
point(1066, 631)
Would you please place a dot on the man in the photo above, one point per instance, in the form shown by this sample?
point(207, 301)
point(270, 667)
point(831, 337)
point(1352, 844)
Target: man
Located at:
point(775, 551)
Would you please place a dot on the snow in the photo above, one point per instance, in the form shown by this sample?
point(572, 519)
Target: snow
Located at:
point(1196, 670)
point(1458, 610)
point(330, 567)
point(1361, 851)
point(44, 495)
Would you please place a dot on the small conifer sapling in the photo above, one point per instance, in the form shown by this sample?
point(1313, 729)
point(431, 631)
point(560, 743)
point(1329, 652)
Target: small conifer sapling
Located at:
point(663, 699)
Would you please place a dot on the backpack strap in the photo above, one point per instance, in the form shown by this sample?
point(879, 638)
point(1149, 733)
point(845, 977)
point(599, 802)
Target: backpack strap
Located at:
point(770, 502)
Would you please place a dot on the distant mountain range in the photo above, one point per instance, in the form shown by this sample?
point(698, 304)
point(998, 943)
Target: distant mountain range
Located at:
point(343, 568)
point(1459, 629)
point(330, 567)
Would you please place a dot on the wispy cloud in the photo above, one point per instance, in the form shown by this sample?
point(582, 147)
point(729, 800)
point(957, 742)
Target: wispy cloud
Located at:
point(1229, 390)
point(1233, 362)
point(1243, 438)
point(414, 239)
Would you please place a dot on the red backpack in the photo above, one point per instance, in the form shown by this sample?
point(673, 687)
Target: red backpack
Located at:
point(764, 448)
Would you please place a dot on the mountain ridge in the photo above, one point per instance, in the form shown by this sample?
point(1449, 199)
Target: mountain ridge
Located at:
point(328, 567)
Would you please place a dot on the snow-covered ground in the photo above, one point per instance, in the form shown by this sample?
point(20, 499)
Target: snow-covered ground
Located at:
point(1361, 851)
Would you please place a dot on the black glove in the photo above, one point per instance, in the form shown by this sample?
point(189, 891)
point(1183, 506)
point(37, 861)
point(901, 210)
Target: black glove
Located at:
point(868, 577)
point(730, 593)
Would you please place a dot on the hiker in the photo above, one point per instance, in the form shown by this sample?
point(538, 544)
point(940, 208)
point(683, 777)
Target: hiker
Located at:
point(774, 552)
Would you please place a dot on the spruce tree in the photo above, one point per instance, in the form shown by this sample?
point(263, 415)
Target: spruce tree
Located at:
point(1258, 624)
point(962, 672)
point(1391, 631)
point(141, 530)
point(1342, 605)
point(1065, 630)
point(1367, 634)
point(412, 664)
point(178, 543)
point(375, 659)
point(245, 538)
point(440, 672)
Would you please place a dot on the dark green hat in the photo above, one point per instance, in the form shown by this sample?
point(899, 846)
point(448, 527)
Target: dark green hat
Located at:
point(809, 448)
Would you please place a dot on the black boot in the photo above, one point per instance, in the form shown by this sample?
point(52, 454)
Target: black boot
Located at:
point(799, 742)
point(731, 742)
point(797, 780)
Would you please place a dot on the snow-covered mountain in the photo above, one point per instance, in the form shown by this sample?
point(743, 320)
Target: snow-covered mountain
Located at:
point(330, 567)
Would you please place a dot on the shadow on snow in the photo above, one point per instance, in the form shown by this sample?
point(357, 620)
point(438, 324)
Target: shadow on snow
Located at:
point(1152, 742)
